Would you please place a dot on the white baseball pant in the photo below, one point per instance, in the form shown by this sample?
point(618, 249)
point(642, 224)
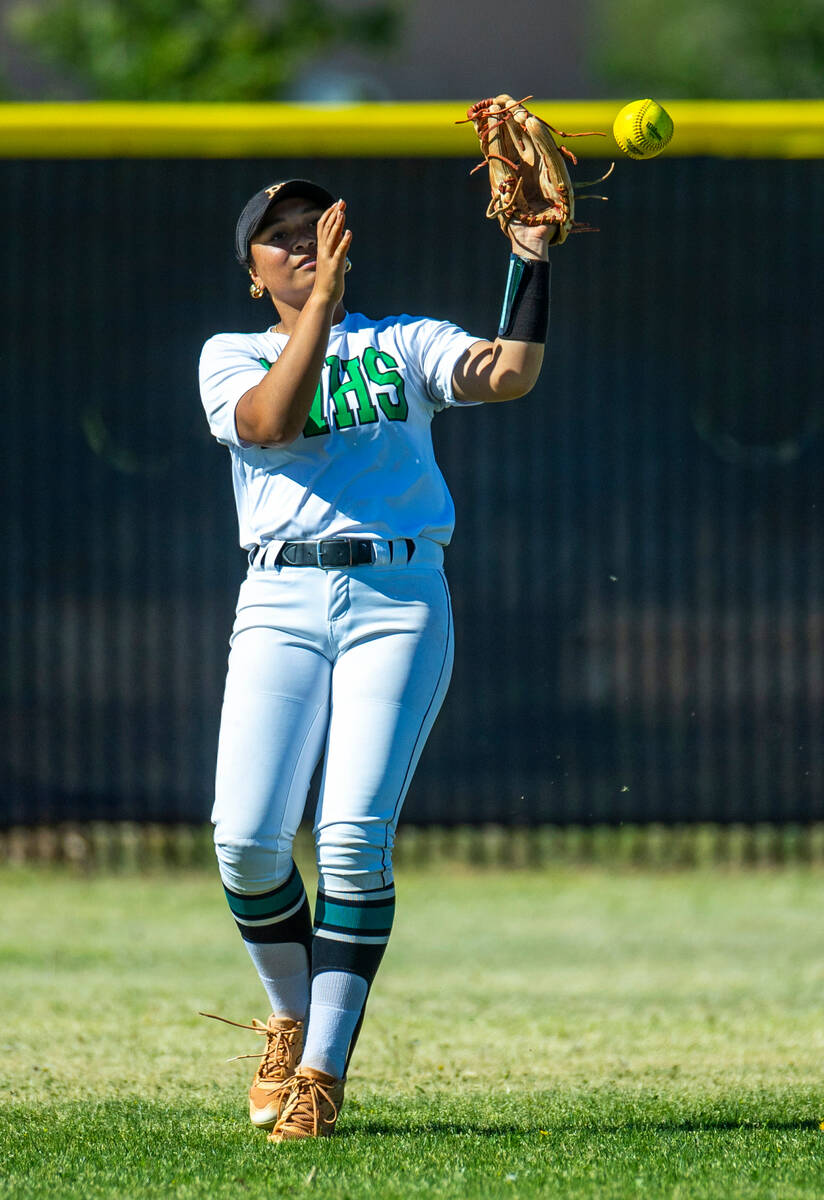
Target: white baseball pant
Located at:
point(352, 662)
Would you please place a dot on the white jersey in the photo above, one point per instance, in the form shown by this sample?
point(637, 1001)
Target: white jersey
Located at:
point(364, 465)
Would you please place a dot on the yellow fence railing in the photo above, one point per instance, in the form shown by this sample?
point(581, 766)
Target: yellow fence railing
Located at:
point(732, 129)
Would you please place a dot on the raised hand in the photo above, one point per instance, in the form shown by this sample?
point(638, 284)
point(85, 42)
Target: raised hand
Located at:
point(334, 240)
point(531, 241)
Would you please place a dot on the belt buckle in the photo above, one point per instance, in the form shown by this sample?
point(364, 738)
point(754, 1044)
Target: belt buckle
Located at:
point(333, 545)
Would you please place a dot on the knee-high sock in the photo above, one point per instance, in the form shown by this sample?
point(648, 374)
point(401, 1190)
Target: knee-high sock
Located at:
point(276, 929)
point(351, 932)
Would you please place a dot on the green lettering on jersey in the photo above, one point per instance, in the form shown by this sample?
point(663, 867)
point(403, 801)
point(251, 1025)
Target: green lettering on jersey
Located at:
point(349, 377)
point(315, 422)
point(381, 367)
point(354, 383)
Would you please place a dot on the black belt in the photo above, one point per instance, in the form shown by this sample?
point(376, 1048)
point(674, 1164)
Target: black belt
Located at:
point(334, 552)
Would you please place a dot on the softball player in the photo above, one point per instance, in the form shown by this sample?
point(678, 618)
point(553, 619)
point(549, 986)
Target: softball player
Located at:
point(342, 643)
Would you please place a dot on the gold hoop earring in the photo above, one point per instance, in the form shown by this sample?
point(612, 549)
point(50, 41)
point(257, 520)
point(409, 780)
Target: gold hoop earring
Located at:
point(348, 266)
point(256, 290)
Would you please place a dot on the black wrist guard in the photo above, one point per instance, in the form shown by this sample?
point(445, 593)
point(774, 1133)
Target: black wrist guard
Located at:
point(525, 314)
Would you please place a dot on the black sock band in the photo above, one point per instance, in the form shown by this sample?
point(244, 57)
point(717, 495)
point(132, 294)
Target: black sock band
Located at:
point(351, 930)
point(525, 313)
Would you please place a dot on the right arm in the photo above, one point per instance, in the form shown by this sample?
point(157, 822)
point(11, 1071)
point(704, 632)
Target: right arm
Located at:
point(274, 412)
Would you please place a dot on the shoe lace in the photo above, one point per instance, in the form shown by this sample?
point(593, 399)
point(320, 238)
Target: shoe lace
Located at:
point(278, 1044)
point(303, 1106)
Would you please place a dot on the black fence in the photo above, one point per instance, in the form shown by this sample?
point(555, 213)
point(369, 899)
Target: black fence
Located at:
point(638, 566)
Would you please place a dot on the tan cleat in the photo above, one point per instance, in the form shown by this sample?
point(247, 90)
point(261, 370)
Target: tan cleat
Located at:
point(284, 1046)
point(310, 1106)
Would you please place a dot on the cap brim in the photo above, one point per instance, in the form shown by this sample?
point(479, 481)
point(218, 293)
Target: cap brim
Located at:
point(253, 215)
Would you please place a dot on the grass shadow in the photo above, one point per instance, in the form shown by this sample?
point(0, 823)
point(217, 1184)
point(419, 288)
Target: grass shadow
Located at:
point(386, 1128)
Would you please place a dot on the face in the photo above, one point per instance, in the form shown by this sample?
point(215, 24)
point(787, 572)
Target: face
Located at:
point(285, 247)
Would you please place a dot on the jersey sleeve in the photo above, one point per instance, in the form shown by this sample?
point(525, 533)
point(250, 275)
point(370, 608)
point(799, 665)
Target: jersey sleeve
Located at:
point(228, 369)
point(436, 346)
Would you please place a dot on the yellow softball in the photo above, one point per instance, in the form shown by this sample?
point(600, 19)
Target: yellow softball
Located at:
point(642, 128)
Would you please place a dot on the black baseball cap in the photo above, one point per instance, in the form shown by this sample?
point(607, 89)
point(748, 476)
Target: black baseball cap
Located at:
point(251, 219)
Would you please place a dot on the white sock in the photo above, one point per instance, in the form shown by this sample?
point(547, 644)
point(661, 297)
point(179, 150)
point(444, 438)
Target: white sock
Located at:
point(283, 968)
point(335, 1007)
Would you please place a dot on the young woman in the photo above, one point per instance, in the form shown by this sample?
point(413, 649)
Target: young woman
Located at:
point(342, 643)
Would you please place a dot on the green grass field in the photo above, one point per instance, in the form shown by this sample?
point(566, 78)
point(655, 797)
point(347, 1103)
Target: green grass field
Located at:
point(566, 1033)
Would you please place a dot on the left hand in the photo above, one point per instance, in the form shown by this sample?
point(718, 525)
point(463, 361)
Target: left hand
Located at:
point(531, 241)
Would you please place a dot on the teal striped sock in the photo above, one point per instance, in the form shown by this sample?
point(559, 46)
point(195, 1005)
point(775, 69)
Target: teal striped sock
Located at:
point(351, 932)
point(280, 914)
